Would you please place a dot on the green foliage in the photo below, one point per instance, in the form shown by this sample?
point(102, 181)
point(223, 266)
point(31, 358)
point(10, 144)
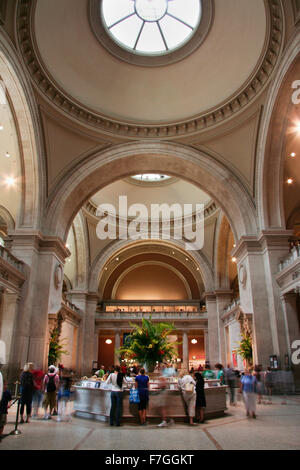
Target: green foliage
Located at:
point(245, 347)
point(148, 344)
point(56, 347)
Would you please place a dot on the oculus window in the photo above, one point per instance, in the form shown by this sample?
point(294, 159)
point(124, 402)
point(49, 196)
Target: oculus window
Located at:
point(151, 27)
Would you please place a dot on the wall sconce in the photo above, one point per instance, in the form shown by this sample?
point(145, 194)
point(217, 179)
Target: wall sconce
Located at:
point(108, 341)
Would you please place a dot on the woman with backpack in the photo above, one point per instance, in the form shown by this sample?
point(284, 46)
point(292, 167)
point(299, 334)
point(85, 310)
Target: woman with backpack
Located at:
point(187, 385)
point(116, 379)
point(27, 389)
point(50, 387)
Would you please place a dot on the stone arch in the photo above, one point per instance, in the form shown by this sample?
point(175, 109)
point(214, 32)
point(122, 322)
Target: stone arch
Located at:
point(21, 99)
point(117, 246)
point(7, 218)
point(120, 161)
point(155, 263)
point(272, 139)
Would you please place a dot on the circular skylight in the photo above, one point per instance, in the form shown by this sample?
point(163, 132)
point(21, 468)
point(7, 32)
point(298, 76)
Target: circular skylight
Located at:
point(151, 177)
point(151, 27)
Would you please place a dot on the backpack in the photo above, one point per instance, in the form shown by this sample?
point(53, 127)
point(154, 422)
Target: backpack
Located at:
point(51, 387)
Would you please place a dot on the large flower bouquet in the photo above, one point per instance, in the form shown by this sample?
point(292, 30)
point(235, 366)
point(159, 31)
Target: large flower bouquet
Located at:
point(148, 344)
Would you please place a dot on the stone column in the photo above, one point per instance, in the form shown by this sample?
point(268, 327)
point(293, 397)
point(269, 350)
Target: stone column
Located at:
point(206, 345)
point(41, 295)
point(223, 298)
point(257, 260)
point(185, 350)
point(213, 328)
point(117, 346)
point(79, 298)
point(89, 333)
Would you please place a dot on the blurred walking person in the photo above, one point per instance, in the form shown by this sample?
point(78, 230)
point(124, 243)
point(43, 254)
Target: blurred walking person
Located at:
point(230, 380)
point(38, 377)
point(163, 402)
point(27, 389)
point(50, 387)
point(248, 388)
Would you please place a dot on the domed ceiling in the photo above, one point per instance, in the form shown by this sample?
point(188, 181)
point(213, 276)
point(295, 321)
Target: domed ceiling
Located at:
point(218, 69)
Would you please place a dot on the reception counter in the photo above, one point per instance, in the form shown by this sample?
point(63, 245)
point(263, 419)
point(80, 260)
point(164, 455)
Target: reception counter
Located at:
point(94, 403)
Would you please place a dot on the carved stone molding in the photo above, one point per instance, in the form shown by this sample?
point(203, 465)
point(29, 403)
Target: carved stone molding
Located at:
point(69, 106)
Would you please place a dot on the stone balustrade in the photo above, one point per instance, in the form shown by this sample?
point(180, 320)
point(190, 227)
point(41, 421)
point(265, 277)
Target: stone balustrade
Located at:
point(101, 315)
point(235, 303)
point(290, 258)
point(11, 259)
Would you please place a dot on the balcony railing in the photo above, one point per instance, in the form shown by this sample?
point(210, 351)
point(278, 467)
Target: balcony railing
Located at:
point(235, 303)
point(157, 315)
point(290, 258)
point(11, 259)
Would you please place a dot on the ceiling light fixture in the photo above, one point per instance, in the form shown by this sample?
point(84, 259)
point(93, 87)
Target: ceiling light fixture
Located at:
point(289, 180)
point(108, 341)
point(1, 128)
point(233, 259)
point(10, 181)
point(292, 154)
point(194, 341)
point(7, 154)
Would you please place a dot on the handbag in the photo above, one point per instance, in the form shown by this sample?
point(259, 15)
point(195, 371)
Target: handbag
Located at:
point(134, 395)
point(189, 387)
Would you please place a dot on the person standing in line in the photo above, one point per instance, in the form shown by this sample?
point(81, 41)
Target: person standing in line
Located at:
point(220, 374)
point(38, 377)
point(248, 388)
point(50, 387)
point(187, 385)
point(230, 380)
point(257, 373)
point(116, 378)
point(1, 382)
point(268, 382)
point(142, 384)
point(200, 398)
point(208, 373)
point(27, 389)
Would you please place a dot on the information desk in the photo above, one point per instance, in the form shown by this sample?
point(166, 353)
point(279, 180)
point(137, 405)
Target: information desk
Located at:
point(94, 403)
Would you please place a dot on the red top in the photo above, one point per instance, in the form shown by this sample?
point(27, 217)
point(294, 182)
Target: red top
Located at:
point(38, 377)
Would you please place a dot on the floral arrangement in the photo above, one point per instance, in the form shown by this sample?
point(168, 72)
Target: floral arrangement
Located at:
point(245, 348)
point(148, 344)
point(56, 347)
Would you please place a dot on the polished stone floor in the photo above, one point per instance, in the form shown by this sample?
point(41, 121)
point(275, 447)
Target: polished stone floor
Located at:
point(277, 427)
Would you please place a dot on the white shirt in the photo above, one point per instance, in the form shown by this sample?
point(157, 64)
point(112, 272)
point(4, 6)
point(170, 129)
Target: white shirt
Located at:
point(112, 378)
point(186, 379)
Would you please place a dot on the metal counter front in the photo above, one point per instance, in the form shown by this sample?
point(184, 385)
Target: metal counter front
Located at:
point(94, 403)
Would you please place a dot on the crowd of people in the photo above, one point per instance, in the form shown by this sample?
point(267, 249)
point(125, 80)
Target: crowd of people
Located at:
point(50, 390)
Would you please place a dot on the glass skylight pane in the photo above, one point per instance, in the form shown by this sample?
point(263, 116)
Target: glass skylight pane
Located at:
point(114, 10)
point(151, 40)
point(174, 31)
point(127, 31)
point(188, 11)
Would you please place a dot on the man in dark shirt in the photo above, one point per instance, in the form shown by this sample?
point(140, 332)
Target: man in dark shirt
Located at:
point(4, 405)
